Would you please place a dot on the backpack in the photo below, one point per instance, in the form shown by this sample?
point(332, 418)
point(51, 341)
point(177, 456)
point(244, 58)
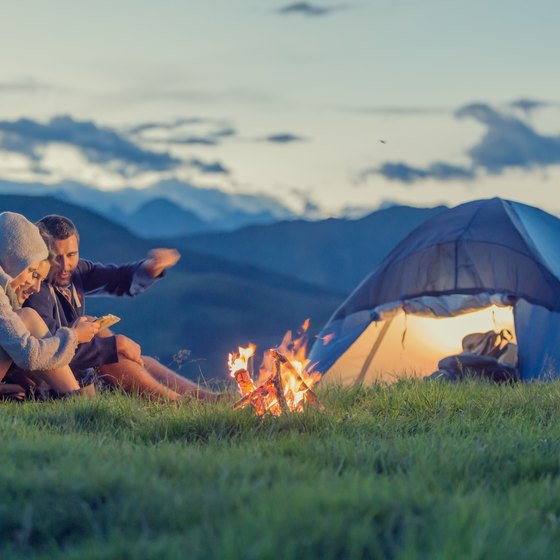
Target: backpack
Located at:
point(490, 355)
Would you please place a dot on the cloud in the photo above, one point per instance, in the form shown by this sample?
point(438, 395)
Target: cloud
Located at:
point(401, 111)
point(224, 133)
point(404, 173)
point(38, 169)
point(307, 9)
point(310, 208)
point(26, 85)
point(283, 138)
point(211, 138)
point(11, 141)
point(528, 105)
point(191, 141)
point(209, 167)
point(138, 129)
point(508, 142)
point(98, 144)
point(182, 95)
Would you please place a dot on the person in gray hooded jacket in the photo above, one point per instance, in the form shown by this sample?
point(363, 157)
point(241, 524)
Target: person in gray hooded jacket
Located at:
point(24, 338)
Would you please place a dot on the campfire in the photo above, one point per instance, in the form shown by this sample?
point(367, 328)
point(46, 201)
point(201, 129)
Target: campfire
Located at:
point(285, 377)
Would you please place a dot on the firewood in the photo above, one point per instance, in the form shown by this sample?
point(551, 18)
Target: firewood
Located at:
point(244, 401)
point(256, 399)
point(259, 401)
point(271, 396)
point(244, 381)
point(277, 375)
point(263, 399)
point(309, 397)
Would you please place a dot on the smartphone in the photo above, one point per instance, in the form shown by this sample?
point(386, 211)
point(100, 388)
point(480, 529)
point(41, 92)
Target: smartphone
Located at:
point(107, 321)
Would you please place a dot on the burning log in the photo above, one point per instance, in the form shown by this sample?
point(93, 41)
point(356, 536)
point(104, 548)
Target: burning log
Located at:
point(277, 377)
point(263, 399)
point(244, 401)
point(238, 363)
point(244, 381)
point(284, 385)
point(309, 396)
point(257, 399)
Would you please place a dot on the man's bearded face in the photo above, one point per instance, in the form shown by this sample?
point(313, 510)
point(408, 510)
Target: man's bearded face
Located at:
point(67, 257)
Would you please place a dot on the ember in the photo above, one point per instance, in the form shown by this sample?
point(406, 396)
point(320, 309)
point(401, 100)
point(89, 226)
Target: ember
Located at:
point(285, 380)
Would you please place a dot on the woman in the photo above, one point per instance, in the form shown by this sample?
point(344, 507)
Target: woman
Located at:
point(24, 338)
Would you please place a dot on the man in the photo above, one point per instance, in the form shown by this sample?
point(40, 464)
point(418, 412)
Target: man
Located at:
point(62, 302)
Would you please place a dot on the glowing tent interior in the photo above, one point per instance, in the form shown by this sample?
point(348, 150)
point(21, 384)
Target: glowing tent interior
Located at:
point(484, 265)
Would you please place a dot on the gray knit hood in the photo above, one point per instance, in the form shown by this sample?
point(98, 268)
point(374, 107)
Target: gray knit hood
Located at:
point(21, 244)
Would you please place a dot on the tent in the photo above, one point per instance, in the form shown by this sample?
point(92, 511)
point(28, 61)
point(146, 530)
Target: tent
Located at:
point(481, 265)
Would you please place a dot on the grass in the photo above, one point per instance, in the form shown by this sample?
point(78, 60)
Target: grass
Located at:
point(413, 471)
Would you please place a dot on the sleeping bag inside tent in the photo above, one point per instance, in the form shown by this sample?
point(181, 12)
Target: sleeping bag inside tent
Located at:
point(484, 265)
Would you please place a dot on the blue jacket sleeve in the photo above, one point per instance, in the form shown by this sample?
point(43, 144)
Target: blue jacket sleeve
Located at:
point(106, 279)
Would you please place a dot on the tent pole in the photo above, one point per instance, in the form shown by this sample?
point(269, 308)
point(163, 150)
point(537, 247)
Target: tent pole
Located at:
point(372, 352)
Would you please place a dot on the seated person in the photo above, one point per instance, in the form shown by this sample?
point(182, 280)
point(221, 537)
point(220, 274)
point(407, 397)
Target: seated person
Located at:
point(117, 357)
point(26, 346)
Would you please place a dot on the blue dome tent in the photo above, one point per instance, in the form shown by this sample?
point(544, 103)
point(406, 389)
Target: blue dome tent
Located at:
point(456, 273)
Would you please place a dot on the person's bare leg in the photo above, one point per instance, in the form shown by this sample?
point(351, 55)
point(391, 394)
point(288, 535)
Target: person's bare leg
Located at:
point(152, 379)
point(60, 379)
point(133, 378)
point(175, 381)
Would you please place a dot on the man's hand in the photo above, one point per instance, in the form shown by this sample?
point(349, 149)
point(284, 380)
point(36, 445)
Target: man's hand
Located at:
point(159, 260)
point(128, 349)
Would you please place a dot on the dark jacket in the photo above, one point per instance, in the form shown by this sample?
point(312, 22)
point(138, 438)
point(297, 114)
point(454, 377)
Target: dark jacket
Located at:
point(89, 279)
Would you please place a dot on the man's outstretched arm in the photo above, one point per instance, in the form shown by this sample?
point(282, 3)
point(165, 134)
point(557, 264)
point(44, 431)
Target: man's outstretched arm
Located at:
point(125, 280)
point(153, 268)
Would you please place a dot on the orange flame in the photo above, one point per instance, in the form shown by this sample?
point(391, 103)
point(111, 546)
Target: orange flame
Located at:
point(240, 359)
point(238, 363)
point(285, 378)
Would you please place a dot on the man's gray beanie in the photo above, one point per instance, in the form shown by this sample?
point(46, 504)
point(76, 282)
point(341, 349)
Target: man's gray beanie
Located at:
point(21, 244)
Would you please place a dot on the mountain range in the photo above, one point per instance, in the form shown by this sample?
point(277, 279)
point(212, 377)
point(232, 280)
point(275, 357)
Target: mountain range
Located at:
point(335, 254)
point(161, 218)
point(190, 209)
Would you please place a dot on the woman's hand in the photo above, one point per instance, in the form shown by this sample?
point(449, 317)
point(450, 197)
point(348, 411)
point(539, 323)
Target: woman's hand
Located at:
point(85, 329)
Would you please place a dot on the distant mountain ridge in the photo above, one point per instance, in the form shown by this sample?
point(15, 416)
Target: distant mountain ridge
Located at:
point(335, 253)
point(216, 209)
point(162, 218)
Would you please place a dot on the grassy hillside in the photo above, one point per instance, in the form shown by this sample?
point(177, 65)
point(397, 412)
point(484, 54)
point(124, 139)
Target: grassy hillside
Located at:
point(418, 470)
point(336, 254)
point(205, 304)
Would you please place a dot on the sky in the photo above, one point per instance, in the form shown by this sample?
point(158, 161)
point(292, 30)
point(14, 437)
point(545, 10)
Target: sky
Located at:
point(332, 107)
